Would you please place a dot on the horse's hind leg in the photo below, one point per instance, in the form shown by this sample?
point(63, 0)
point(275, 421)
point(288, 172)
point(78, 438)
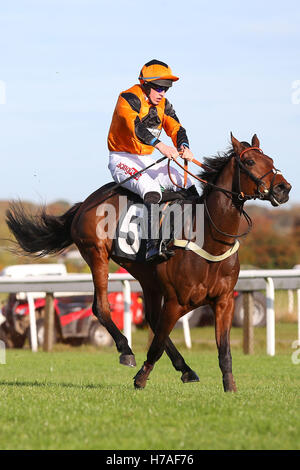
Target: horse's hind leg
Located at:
point(101, 310)
point(152, 310)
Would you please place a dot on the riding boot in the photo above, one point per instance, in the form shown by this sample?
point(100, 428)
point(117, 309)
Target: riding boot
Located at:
point(156, 249)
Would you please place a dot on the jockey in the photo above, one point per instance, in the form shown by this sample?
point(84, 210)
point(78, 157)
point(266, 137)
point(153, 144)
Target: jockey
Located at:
point(140, 114)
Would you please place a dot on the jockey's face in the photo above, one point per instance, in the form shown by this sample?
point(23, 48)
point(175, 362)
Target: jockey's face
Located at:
point(157, 93)
point(156, 96)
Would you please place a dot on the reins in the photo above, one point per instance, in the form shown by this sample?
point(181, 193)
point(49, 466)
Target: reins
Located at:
point(212, 185)
point(244, 213)
point(238, 194)
point(241, 197)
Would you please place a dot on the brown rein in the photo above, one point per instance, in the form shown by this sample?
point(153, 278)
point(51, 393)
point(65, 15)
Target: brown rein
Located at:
point(186, 172)
point(241, 196)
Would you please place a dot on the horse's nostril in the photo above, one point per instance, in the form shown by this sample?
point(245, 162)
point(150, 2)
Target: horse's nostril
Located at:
point(282, 188)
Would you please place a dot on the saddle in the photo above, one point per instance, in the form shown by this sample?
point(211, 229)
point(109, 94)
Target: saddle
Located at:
point(174, 210)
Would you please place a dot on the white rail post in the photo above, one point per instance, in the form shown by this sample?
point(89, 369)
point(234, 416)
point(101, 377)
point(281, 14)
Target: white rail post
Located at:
point(2, 352)
point(290, 301)
point(32, 322)
point(127, 311)
point(298, 307)
point(270, 291)
point(186, 331)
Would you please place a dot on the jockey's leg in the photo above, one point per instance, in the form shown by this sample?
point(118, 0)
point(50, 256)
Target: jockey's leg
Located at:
point(122, 165)
point(154, 246)
point(148, 188)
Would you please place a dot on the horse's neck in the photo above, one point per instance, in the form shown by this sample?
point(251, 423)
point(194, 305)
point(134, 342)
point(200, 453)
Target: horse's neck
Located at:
point(225, 215)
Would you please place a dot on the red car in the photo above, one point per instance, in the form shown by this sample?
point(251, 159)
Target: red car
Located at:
point(74, 320)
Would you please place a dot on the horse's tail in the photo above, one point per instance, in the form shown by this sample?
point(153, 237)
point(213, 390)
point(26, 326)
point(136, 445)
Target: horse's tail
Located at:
point(40, 234)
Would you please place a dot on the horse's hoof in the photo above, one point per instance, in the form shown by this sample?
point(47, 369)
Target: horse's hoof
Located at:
point(127, 360)
point(229, 383)
point(189, 376)
point(140, 380)
point(141, 377)
point(138, 386)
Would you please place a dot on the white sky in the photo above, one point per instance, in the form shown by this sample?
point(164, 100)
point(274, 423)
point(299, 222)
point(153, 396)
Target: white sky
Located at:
point(64, 62)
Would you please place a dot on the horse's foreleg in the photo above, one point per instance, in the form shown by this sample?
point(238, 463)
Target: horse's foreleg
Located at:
point(166, 321)
point(101, 310)
point(224, 308)
point(179, 364)
point(152, 310)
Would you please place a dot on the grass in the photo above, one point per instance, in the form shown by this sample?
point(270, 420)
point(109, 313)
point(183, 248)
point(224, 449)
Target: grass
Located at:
point(81, 398)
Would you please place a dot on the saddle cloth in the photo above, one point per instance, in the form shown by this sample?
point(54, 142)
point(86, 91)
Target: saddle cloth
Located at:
point(130, 239)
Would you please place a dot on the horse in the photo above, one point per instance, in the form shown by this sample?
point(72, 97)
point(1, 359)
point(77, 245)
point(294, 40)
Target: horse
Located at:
point(185, 281)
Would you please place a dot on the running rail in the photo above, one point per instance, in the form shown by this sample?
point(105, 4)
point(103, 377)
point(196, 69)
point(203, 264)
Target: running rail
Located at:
point(249, 281)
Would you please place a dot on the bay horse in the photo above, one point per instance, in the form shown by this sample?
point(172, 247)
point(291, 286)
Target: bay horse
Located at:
point(184, 282)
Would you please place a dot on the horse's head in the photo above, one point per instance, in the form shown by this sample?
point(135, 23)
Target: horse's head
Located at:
point(256, 175)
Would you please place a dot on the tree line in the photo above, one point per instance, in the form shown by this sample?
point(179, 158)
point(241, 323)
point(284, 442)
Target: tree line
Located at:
point(273, 242)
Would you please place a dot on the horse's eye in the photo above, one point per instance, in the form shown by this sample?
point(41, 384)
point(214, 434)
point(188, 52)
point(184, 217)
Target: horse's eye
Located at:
point(249, 162)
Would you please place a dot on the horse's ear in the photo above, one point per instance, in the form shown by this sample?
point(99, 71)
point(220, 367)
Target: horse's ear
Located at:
point(237, 146)
point(255, 141)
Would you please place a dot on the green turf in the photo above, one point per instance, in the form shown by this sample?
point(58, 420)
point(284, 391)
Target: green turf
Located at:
point(81, 398)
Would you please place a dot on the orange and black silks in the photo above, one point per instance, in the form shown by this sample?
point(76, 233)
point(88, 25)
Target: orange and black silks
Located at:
point(136, 124)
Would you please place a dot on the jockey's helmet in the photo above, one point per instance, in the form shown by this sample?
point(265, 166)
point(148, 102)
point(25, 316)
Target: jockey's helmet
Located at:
point(157, 72)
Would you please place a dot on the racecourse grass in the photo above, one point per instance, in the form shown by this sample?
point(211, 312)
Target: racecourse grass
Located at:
point(81, 398)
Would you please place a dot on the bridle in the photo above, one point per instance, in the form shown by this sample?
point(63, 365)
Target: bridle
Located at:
point(238, 195)
point(257, 180)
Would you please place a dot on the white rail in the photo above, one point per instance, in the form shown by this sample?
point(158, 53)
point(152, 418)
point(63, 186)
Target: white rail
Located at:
point(273, 279)
point(249, 281)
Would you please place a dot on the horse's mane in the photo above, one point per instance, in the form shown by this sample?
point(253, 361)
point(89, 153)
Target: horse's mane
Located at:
point(213, 167)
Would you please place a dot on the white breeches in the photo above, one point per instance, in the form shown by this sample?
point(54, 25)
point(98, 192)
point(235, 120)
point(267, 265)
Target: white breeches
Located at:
point(122, 165)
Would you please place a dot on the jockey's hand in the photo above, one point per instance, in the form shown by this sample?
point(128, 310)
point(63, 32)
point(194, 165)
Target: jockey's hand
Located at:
point(170, 152)
point(186, 154)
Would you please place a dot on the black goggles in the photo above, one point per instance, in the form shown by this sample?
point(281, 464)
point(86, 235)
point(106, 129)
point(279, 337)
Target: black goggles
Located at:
point(159, 88)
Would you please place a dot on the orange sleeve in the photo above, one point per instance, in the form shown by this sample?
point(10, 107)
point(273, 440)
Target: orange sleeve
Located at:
point(125, 116)
point(173, 128)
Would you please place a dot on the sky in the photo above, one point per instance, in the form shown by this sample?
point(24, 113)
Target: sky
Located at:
point(64, 63)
